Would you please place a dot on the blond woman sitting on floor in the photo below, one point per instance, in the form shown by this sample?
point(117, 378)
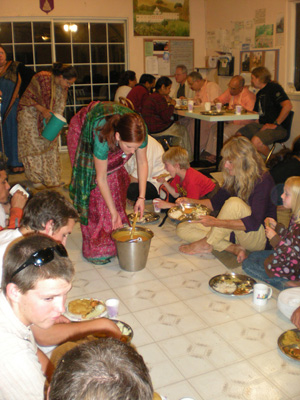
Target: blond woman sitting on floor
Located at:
point(242, 204)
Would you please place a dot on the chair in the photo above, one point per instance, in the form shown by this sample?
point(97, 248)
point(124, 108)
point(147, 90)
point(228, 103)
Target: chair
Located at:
point(287, 124)
point(126, 102)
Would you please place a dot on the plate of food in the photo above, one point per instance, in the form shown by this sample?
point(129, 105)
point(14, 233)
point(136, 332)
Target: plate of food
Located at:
point(187, 212)
point(126, 330)
point(232, 284)
point(181, 107)
point(289, 344)
point(147, 218)
point(85, 309)
point(212, 113)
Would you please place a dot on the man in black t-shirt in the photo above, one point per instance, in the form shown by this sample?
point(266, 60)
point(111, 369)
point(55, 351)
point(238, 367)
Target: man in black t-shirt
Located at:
point(273, 106)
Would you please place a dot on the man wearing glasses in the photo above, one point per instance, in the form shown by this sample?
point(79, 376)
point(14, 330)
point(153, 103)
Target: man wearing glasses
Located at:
point(37, 275)
point(236, 94)
point(181, 88)
point(50, 213)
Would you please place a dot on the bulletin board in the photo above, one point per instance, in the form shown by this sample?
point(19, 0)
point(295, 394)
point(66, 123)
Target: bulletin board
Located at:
point(161, 56)
point(260, 58)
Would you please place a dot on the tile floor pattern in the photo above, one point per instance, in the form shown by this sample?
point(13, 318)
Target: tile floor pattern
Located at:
point(196, 343)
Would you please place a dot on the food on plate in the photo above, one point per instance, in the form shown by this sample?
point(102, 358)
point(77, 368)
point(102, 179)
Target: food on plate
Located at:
point(199, 212)
point(83, 307)
point(176, 214)
point(290, 337)
point(226, 287)
point(162, 176)
point(294, 352)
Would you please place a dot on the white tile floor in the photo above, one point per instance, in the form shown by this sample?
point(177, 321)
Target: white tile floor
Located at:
point(196, 343)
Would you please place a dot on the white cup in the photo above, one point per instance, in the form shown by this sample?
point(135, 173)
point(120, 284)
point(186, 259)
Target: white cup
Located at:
point(261, 294)
point(178, 102)
point(207, 106)
point(190, 105)
point(17, 187)
point(184, 102)
point(156, 208)
point(219, 107)
point(112, 307)
point(238, 109)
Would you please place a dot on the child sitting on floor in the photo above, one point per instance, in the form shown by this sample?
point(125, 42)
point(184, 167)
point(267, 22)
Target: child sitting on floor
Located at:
point(187, 182)
point(280, 267)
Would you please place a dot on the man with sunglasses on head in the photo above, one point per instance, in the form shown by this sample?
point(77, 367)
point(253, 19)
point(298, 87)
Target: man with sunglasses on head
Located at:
point(50, 213)
point(37, 275)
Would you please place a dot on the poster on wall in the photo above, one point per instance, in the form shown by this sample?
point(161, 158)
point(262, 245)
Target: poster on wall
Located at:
point(264, 36)
point(161, 17)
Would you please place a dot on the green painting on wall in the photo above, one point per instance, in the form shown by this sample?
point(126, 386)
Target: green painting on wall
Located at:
point(161, 17)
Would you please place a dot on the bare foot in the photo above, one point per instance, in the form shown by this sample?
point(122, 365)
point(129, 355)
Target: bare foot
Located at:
point(238, 250)
point(199, 247)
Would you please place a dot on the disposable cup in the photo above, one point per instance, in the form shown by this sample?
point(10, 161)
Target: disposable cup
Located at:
point(17, 187)
point(112, 307)
point(190, 105)
point(219, 107)
point(156, 208)
point(207, 106)
point(238, 110)
point(178, 102)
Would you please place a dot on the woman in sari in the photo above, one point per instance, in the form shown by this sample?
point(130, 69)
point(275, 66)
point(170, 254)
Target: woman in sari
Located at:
point(14, 77)
point(111, 134)
point(46, 93)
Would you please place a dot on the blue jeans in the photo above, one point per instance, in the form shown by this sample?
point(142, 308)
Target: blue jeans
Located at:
point(254, 266)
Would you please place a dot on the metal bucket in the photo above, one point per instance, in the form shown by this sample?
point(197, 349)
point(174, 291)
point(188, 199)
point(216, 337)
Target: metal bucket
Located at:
point(132, 255)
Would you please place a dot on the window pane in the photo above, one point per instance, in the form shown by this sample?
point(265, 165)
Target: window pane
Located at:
point(24, 53)
point(63, 53)
point(100, 92)
point(100, 74)
point(83, 95)
point(81, 53)
point(43, 54)
point(70, 99)
point(115, 72)
point(82, 34)
point(116, 33)
point(5, 32)
point(98, 33)
point(41, 32)
point(61, 36)
point(22, 32)
point(43, 68)
point(116, 53)
point(113, 89)
point(84, 74)
point(99, 53)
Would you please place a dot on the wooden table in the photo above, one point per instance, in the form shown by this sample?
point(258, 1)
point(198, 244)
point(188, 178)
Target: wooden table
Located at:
point(220, 119)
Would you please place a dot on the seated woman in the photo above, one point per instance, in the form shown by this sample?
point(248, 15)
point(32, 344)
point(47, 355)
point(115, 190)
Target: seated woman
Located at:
point(243, 203)
point(187, 181)
point(157, 112)
point(282, 264)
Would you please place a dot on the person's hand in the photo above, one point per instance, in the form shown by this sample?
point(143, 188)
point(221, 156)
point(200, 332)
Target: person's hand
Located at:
point(295, 318)
point(139, 206)
point(116, 221)
point(269, 126)
point(172, 101)
point(197, 101)
point(182, 200)
point(44, 111)
point(207, 220)
point(18, 200)
point(270, 233)
point(162, 203)
point(270, 222)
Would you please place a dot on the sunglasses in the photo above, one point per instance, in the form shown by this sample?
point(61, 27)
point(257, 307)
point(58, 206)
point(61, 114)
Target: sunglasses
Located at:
point(42, 257)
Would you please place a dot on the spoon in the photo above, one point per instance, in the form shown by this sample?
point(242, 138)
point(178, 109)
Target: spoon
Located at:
point(133, 224)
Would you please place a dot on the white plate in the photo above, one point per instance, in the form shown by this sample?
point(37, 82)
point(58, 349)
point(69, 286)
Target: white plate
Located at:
point(99, 312)
point(288, 301)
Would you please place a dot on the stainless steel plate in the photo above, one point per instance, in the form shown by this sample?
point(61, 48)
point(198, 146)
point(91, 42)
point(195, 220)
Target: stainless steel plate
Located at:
point(289, 344)
point(191, 212)
point(212, 113)
point(232, 284)
point(148, 218)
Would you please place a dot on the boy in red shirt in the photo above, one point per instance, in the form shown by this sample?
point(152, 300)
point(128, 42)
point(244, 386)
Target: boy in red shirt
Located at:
point(186, 182)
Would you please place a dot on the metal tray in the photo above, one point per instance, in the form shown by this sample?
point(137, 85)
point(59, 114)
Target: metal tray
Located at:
point(148, 218)
point(289, 344)
point(190, 213)
point(213, 113)
point(232, 284)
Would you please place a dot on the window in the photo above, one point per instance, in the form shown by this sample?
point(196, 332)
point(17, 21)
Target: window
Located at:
point(97, 49)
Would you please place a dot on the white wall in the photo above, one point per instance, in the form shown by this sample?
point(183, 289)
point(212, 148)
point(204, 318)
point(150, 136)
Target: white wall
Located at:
point(111, 9)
